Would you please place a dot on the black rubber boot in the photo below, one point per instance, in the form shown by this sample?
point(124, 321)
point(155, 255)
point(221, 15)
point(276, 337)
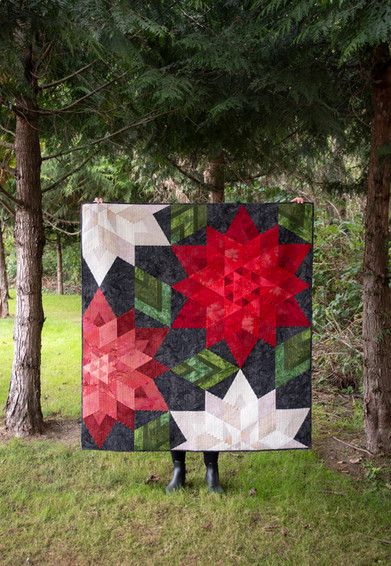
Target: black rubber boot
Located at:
point(178, 477)
point(212, 478)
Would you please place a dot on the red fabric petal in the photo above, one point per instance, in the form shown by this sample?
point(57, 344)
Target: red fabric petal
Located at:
point(193, 258)
point(242, 228)
point(290, 256)
point(290, 314)
point(241, 285)
point(192, 315)
point(118, 369)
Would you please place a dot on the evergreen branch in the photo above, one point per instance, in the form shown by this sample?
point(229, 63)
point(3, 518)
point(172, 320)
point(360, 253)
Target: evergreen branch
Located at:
point(7, 169)
point(195, 21)
point(7, 131)
point(7, 145)
point(246, 179)
point(64, 79)
point(61, 220)
point(6, 194)
point(43, 56)
point(25, 118)
point(189, 175)
point(58, 182)
point(7, 207)
point(148, 118)
point(66, 108)
point(55, 227)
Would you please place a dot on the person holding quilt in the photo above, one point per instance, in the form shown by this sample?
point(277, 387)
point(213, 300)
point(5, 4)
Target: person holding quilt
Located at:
point(210, 458)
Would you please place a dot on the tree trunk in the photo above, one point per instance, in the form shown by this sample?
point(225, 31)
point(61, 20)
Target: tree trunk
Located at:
point(4, 296)
point(377, 293)
point(23, 409)
point(214, 176)
point(60, 275)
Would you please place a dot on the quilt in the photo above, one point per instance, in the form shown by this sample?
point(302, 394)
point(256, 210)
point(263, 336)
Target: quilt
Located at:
point(196, 326)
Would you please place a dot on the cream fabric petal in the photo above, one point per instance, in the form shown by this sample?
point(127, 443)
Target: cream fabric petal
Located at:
point(191, 423)
point(240, 388)
point(290, 420)
point(240, 421)
point(113, 230)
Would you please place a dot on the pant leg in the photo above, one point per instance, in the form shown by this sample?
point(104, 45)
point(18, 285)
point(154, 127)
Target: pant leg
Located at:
point(178, 456)
point(211, 457)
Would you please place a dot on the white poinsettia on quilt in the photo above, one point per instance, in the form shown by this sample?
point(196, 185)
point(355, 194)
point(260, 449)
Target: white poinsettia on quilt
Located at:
point(240, 421)
point(113, 230)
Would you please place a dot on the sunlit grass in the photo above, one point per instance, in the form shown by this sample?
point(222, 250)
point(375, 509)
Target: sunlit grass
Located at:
point(61, 347)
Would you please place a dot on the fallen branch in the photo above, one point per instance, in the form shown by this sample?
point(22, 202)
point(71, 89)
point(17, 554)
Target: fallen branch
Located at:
point(384, 541)
point(353, 446)
point(350, 346)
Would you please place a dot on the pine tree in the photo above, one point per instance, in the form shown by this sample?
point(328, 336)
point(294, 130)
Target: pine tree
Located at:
point(359, 34)
point(240, 101)
point(60, 89)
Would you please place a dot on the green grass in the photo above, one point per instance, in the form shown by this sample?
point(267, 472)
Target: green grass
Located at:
point(59, 505)
point(62, 506)
point(61, 345)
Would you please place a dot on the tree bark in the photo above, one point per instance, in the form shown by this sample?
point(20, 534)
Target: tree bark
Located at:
point(23, 409)
point(4, 296)
point(376, 292)
point(60, 274)
point(214, 176)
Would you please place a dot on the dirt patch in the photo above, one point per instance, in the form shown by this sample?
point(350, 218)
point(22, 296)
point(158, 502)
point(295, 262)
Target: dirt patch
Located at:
point(61, 430)
point(67, 431)
point(341, 457)
point(343, 450)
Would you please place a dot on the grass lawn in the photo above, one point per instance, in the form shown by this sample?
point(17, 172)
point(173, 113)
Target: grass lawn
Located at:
point(61, 348)
point(59, 505)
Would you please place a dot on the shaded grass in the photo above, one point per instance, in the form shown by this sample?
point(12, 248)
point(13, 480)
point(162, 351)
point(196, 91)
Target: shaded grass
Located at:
point(59, 505)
